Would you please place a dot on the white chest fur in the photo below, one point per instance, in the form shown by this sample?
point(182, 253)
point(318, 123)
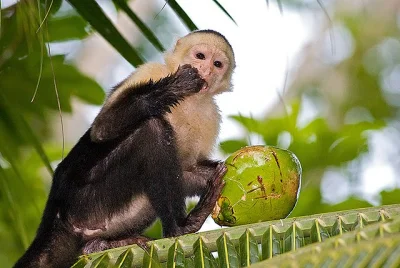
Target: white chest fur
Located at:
point(196, 123)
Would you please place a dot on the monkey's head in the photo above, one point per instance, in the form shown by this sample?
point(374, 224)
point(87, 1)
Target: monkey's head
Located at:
point(210, 53)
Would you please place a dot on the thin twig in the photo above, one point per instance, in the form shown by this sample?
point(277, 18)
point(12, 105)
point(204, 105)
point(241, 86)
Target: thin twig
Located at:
point(41, 56)
point(331, 33)
point(45, 17)
point(166, 2)
point(286, 74)
point(56, 91)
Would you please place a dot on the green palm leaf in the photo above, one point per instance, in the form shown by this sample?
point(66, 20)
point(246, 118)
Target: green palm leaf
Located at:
point(284, 240)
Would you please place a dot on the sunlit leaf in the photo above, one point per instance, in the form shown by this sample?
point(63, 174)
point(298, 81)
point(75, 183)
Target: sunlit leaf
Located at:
point(390, 197)
point(67, 28)
point(231, 146)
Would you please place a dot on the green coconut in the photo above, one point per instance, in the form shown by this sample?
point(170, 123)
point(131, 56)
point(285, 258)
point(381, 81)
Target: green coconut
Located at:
point(262, 183)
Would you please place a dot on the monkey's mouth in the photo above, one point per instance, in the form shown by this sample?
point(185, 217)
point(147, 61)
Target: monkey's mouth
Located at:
point(204, 88)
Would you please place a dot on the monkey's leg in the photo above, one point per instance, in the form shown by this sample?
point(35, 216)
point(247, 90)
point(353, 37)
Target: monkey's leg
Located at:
point(199, 214)
point(57, 247)
point(170, 215)
point(164, 188)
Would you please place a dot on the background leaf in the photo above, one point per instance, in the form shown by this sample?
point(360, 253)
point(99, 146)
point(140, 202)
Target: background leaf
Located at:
point(92, 12)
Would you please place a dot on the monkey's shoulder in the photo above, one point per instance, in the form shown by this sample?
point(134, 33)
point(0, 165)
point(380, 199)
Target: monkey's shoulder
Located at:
point(149, 71)
point(143, 74)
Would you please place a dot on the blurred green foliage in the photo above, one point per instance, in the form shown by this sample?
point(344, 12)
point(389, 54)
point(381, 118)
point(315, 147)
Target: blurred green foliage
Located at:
point(348, 88)
point(26, 124)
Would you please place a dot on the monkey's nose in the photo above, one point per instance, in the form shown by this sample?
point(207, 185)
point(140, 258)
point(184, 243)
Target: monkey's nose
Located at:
point(205, 72)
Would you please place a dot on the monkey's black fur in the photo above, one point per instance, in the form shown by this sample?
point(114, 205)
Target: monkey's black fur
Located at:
point(122, 174)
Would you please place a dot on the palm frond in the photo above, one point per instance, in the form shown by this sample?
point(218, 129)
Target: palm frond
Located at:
point(273, 242)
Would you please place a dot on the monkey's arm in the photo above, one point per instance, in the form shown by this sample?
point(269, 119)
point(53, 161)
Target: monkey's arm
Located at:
point(123, 113)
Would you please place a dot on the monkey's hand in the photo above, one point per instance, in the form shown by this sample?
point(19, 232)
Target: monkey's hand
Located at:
point(187, 80)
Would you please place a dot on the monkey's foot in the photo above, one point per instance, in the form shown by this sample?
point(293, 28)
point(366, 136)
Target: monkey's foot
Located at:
point(214, 187)
point(99, 244)
point(199, 214)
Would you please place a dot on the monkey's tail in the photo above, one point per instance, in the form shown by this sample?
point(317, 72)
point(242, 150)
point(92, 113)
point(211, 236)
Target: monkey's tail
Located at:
point(54, 245)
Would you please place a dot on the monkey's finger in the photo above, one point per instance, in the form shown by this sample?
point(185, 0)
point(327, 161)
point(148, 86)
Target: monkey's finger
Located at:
point(143, 245)
point(220, 171)
point(95, 245)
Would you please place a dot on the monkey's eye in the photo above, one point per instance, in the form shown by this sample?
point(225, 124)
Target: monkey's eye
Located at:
point(218, 64)
point(200, 56)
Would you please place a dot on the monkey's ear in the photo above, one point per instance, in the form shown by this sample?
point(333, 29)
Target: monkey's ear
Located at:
point(178, 43)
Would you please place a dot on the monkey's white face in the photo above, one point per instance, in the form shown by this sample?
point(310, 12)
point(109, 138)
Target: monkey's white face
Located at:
point(212, 64)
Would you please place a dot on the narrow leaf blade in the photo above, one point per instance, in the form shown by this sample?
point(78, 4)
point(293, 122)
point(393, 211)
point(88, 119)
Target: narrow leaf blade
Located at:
point(101, 262)
point(227, 254)
point(270, 243)
point(150, 259)
point(182, 14)
point(125, 260)
point(318, 232)
point(81, 263)
point(91, 11)
point(224, 10)
point(176, 256)
point(248, 249)
point(140, 24)
point(202, 256)
point(294, 238)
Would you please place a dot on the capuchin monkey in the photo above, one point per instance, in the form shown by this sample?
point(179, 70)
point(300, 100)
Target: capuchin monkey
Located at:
point(146, 151)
